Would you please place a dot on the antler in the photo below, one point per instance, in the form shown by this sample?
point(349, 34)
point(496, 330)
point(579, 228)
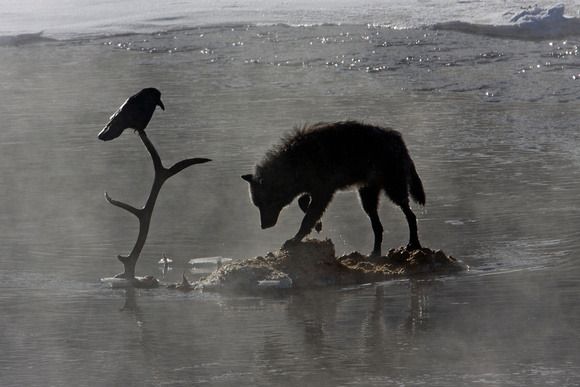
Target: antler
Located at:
point(180, 166)
point(144, 214)
point(135, 211)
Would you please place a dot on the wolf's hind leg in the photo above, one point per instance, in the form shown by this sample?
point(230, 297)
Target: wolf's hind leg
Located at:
point(412, 221)
point(304, 203)
point(398, 192)
point(369, 197)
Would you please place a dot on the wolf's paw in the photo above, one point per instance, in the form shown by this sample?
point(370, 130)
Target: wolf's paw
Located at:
point(413, 246)
point(375, 254)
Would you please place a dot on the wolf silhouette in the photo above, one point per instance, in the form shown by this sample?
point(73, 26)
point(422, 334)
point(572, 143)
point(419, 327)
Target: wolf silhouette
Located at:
point(315, 161)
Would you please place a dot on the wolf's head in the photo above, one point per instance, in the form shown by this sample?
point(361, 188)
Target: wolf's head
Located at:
point(269, 200)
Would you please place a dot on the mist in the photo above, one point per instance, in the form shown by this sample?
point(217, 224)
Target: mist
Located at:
point(495, 146)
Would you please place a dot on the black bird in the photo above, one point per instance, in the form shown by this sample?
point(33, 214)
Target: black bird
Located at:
point(135, 113)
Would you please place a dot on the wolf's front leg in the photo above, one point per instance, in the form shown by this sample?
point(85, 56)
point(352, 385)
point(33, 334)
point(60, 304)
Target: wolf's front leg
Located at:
point(304, 203)
point(313, 214)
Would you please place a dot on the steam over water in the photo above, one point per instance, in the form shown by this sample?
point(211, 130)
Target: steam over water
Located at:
point(491, 123)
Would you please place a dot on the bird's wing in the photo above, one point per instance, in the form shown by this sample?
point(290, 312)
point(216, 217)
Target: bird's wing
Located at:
point(119, 109)
point(125, 117)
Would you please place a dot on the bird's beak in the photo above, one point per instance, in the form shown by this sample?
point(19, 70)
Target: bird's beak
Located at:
point(161, 104)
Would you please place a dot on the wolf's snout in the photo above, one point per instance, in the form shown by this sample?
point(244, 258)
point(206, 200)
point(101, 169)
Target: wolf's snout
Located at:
point(268, 219)
point(267, 223)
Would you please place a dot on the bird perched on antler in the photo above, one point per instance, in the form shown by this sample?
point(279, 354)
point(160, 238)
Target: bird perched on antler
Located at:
point(135, 113)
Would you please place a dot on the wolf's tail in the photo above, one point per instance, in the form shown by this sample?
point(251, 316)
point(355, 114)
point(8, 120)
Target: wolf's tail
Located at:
point(416, 186)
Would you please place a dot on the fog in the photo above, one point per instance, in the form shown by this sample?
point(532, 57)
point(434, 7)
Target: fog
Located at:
point(501, 176)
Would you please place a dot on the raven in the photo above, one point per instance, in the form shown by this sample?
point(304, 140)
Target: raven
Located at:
point(135, 113)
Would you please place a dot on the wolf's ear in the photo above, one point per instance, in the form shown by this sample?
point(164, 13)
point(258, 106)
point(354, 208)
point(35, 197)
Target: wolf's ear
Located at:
point(249, 178)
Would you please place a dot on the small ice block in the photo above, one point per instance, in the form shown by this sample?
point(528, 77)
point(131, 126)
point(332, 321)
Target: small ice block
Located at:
point(138, 282)
point(117, 282)
point(209, 261)
point(282, 283)
point(165, 260)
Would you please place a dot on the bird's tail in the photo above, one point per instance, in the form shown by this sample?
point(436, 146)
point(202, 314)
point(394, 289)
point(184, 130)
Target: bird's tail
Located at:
point(108, 133)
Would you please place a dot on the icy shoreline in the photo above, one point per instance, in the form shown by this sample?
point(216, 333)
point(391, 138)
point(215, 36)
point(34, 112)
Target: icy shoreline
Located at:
point(530, 24)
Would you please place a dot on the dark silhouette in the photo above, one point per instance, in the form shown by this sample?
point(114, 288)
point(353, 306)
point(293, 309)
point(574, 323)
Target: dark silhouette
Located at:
point(144, 214)
point(304, 203)
point(135, 113)
point(316, 161)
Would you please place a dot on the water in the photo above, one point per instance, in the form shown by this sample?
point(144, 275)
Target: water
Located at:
point(73, 18)
point(491, 125)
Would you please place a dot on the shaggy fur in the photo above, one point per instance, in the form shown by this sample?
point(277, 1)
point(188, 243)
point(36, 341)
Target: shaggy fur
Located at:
point(318, 160)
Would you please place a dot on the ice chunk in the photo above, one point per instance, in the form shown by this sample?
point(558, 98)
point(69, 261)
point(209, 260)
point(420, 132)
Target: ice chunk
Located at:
point(533, 23)
point(209, 261)
point(282, 283)
point(137, 282)
point(165, 260)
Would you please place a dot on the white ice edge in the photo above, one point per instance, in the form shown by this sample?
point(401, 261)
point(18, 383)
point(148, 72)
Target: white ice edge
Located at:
point(209, 261)
point(283, 283)
point(532, 23)
point(120, 282)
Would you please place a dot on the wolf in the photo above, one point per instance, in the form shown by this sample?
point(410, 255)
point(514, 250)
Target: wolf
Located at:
point(315, 161)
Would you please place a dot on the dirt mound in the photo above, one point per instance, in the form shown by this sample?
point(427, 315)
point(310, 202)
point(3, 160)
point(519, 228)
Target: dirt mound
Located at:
point(313, 263)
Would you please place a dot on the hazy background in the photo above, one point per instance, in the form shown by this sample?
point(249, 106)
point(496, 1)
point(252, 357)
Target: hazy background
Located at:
point(490, 123)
